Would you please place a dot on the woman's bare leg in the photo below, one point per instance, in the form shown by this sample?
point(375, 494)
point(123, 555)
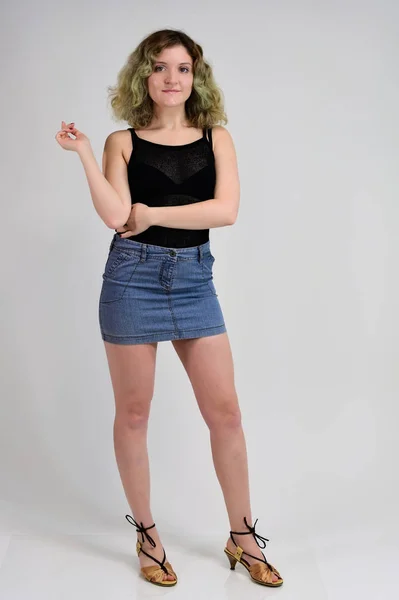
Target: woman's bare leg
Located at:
point(132, 370)
point(209, 365)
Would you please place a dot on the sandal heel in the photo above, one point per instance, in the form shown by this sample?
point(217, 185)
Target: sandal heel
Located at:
point(232, 561)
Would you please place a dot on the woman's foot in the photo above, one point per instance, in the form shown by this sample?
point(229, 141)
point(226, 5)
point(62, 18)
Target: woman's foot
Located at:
point(153, 562)
point(156, 552)
point(249, 545)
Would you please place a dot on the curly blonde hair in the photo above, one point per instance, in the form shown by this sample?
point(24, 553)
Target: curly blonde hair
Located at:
point(131, 102)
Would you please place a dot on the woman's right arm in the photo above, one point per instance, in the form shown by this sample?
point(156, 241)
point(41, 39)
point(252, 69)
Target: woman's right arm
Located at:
point(109, 189)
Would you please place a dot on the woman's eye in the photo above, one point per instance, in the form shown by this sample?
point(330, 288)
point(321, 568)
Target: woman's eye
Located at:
point(162, 66)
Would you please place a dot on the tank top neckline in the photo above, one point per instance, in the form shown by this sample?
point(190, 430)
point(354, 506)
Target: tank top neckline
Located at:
point(169, 145)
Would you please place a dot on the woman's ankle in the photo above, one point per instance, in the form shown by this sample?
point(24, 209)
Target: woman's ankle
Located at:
point(154, 536)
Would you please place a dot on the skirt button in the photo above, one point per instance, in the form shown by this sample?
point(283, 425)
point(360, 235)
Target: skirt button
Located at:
point(172, 253)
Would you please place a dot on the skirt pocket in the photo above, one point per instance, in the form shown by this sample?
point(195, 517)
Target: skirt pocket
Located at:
point(118, 272)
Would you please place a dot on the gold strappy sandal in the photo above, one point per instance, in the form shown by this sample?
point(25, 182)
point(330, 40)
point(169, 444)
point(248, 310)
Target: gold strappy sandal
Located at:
point(261, 572)
point(153, 574)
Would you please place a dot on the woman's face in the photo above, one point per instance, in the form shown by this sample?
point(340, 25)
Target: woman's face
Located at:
point(172, 70)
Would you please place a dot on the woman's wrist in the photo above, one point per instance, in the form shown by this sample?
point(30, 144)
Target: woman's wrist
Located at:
point(85, 151)
point(154, 215)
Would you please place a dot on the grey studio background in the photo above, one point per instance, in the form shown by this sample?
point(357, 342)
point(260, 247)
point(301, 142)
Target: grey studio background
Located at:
point(307, 279)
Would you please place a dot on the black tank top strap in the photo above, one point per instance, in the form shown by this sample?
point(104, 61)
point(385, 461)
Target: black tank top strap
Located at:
point(210, 137)
point(207, 134)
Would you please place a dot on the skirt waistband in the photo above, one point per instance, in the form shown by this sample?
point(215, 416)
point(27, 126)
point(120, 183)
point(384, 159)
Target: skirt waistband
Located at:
point(150, 249)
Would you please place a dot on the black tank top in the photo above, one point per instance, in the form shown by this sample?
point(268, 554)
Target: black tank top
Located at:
point(164, 175)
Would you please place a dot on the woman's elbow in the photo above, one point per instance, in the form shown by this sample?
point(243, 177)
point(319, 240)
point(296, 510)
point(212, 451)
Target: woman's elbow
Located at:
point(119, 220)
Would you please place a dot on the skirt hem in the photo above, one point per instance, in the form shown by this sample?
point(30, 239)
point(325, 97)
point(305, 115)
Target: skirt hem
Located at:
point(163, 336)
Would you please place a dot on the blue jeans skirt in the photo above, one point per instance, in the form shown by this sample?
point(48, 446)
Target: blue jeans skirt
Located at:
point(152, 293)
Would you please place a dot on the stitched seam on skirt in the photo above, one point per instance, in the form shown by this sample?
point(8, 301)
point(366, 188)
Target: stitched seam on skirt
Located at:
point(163, 332)
point(204, 328)
point(171, 311)
point(208, 283)
point(149, 257)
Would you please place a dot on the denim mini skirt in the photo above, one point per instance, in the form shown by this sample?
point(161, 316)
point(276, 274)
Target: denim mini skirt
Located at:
point(152, 293)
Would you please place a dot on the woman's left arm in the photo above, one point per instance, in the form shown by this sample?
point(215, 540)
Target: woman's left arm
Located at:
point(223, 208)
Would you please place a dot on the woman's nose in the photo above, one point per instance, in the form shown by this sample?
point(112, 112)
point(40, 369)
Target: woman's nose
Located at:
point(171, 77)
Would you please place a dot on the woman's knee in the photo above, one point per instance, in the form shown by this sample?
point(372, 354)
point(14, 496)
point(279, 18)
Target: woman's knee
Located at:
point(133, 414)
point(224, 415)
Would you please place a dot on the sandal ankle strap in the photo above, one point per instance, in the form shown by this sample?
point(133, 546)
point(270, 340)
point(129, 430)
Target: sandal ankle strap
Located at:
point(251, 530)
point(141, 529)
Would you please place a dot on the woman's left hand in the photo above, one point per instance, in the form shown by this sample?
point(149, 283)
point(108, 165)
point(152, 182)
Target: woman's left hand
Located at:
point(139, 220)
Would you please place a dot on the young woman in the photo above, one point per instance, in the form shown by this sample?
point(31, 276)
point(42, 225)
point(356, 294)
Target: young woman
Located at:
point(167, 179)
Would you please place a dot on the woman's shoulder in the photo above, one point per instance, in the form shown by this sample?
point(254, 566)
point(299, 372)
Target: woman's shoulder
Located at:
point(220, 133)
point(121, 139)
point(221, 137)
point(119, 134)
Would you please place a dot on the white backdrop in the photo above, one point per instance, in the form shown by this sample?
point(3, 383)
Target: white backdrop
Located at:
point(307, 277)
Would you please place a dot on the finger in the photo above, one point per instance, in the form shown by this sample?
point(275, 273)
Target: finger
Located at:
point(69, 128)
point(61, 135)
point(65, 131)
point(72, 132)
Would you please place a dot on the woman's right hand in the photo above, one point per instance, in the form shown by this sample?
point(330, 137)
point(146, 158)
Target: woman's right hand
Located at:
point(76, 145)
